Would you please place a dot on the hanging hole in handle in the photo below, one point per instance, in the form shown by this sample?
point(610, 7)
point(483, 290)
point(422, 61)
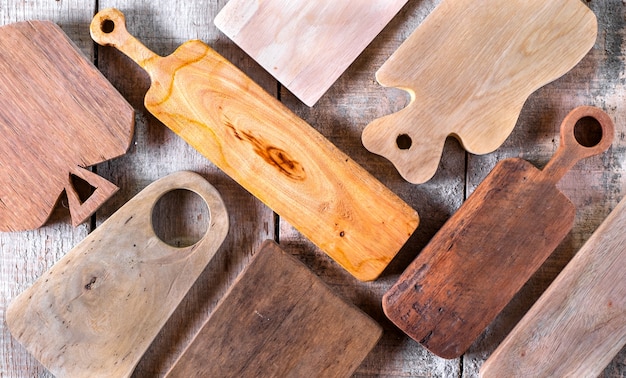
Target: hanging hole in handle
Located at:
point(404, 142)
point(107, 26)
point(588, 131)
point(180, 218)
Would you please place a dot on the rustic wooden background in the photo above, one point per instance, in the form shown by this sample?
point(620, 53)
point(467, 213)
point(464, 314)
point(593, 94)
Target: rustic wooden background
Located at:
point(595, 185)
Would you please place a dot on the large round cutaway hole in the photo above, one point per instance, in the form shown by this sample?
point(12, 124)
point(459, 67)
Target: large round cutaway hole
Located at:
point(588, 132)
point(180, 218)
point(107, 26)
point(404, 142)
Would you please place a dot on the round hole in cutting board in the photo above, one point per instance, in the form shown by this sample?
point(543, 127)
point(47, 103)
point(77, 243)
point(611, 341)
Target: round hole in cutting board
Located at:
point(404, 142)
point(588, 131)
point(107, 26)
point(180, 218)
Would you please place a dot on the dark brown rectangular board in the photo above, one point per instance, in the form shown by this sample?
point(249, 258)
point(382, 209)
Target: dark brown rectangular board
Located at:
point(475, 264)
point(279, 320)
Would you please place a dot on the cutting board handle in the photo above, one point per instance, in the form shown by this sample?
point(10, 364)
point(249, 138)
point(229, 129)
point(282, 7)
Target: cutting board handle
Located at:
point(108, 28)
point(570, 149)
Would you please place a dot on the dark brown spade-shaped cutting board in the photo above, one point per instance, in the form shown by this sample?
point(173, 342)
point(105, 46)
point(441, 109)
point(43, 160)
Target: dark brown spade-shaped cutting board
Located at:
point(58, 115)
point(491, 246)
point(269, 150)
point(578, 324)
point(469, 68)
point(279, 320)
point(96, 311)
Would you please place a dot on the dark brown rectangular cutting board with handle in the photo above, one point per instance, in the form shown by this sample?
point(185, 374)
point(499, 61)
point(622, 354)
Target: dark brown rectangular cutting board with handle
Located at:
point(279, 320)
point(491, 246)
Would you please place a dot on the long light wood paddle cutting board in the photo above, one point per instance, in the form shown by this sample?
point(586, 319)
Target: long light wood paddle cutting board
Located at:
point(58, 115)
point(469, 68)
point(96, 311)
point(306, 45)
point(279, 320)
point(270, 151)
point(579, 324)
point(491, 246)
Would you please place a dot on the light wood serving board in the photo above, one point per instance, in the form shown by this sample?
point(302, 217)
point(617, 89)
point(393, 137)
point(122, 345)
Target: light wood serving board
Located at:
point(490, 247)
point(270, 151)
point(306, 45)
point(96, 311)
point(579, 324)
point(58, 114)
point(469, 68)
point(279, 320)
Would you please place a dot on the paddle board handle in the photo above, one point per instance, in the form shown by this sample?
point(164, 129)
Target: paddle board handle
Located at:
point(570, 150)
point(108, 28)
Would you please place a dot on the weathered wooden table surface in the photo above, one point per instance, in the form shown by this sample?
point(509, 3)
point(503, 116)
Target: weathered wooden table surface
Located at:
point(595, 186)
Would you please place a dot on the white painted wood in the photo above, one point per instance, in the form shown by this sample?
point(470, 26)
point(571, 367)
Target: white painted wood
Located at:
point(306, 45)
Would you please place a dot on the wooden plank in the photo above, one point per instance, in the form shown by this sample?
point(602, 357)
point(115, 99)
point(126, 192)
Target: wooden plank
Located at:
point(595, 187)
point(157, 151)
point(293, 325)
point(580, 321)
point(96, 311)
point(306, 45)
point(24, 256)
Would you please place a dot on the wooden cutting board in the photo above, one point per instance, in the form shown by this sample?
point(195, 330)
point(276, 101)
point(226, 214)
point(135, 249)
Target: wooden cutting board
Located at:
point(306, 45)
point(279, 320)
point(580, 321)
point(270, 151)
point(96, 311)
point(469, 68)
point(491, 246)
point(58, 115)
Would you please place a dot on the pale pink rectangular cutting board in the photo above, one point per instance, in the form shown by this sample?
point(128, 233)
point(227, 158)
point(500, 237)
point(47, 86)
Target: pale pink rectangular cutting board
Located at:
point(306, 45)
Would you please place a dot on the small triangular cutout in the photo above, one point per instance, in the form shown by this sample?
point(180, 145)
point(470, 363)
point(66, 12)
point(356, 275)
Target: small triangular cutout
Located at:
point(82, 187)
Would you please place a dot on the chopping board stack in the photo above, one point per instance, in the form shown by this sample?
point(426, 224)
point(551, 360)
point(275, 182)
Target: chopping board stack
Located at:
point(469, 68)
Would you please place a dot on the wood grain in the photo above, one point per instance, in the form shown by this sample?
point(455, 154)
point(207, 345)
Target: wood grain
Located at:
point(580, 321)
point(595, 185)
point(250, 135)
point(58, 115)
point(279, 320)
point(490, 247)
point(469, 68)
point(96, 311)
point(305, 45)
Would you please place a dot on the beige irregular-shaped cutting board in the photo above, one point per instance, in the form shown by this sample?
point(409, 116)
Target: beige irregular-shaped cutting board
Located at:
point(306, 45)
point(96, 311)
point(469, 68)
